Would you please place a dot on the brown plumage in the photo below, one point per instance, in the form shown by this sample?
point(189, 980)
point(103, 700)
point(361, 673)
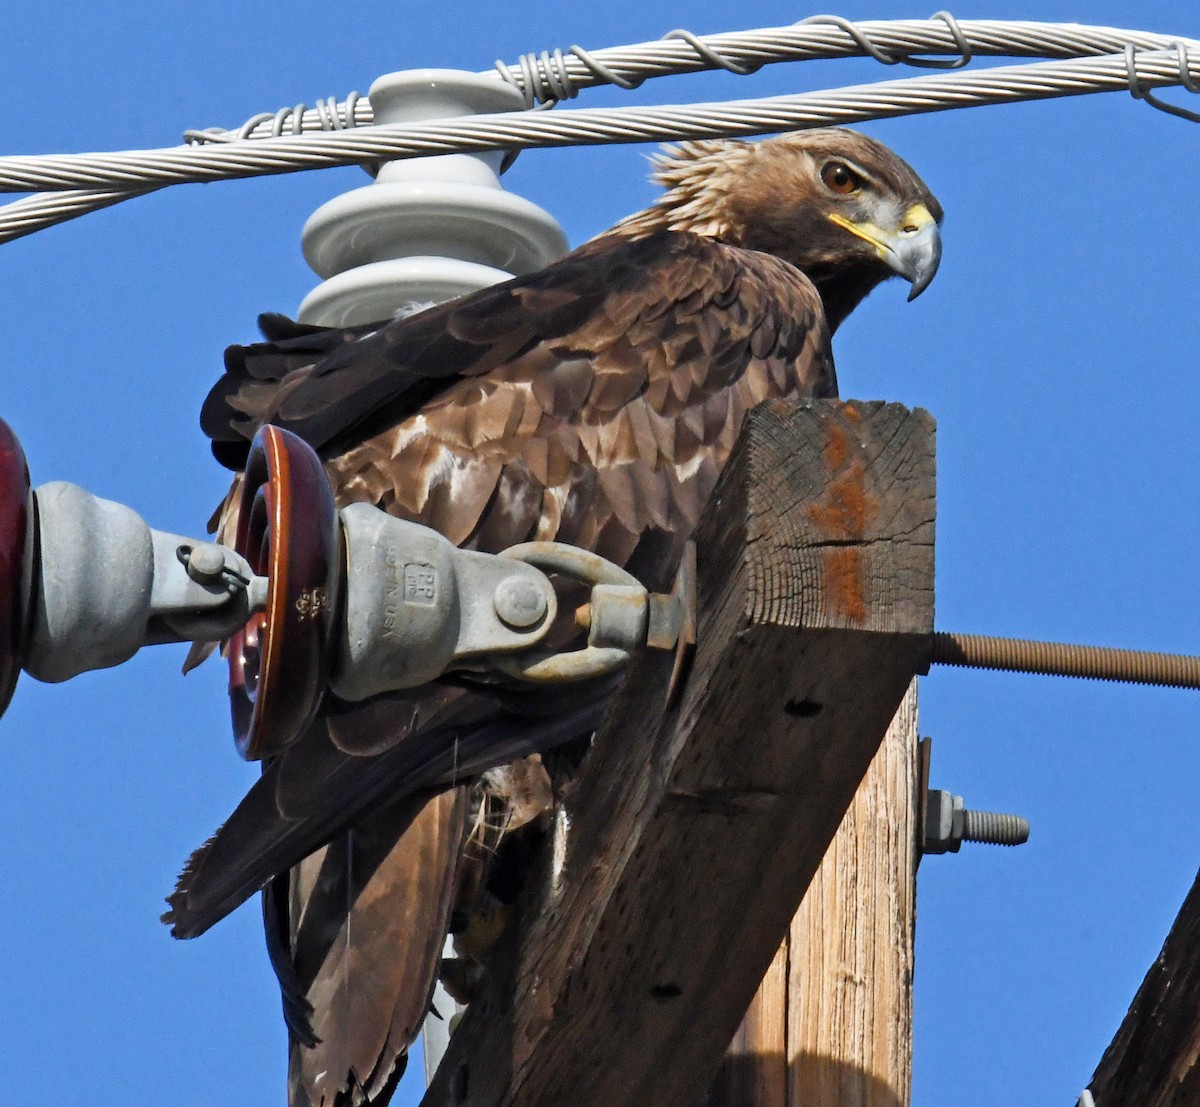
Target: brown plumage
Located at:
point(595, 403)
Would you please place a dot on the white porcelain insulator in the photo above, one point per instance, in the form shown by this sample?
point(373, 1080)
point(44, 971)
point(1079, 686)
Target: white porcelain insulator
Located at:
point(428, 229)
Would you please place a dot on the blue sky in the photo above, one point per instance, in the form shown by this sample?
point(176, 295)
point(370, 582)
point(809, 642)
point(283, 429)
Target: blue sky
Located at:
point(1057, 350)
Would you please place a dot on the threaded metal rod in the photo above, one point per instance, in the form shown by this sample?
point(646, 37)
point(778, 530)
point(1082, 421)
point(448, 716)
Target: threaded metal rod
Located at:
point(977, 651)
point(994, 828)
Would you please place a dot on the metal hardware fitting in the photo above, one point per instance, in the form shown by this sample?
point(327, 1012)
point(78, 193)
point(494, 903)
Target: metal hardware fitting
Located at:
point(948, 824)
point(417, 606)
point(519, 603)
point(944, 823)
point(1185, 79)
point(976, 651)
point(107, 584)
point(620, 616)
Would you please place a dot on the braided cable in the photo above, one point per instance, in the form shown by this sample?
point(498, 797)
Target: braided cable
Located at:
point(1185, 79)
point(823, 37)
point(603, 73)
point(1137, 61)
point(548, 77)
point(144, 169)
point(869, 48)
point(714, 59)
point(325, 115)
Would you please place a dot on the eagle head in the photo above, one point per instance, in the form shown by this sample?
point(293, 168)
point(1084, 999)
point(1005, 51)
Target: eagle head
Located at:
point(841, 207)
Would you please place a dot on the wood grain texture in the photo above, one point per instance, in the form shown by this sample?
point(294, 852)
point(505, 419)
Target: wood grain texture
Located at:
point(683, 850)
point(754, 1072)
point(832, 1020)
point(851, 943)
point(1154, 1061)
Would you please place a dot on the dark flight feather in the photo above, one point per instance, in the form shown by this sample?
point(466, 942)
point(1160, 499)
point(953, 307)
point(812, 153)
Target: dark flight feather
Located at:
point(274, 828)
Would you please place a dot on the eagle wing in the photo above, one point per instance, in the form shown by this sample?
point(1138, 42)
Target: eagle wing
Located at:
point(595, 403)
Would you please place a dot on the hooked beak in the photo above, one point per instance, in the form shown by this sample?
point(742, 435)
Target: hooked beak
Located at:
point(914, 249)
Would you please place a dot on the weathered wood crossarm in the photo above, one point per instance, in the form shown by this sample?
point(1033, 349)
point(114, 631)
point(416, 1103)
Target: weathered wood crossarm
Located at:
point(1154, 1061)
point(682, 852)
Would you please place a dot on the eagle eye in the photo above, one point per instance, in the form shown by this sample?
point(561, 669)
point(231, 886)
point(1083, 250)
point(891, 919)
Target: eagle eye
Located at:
point(840, 178)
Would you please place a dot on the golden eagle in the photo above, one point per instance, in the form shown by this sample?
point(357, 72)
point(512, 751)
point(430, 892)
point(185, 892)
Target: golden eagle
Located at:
point(594, 403)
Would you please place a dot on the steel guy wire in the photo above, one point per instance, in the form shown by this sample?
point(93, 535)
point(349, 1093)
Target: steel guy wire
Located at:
point(1185, 79)
point(143, 169)
point(827, 37)
point(550, 77)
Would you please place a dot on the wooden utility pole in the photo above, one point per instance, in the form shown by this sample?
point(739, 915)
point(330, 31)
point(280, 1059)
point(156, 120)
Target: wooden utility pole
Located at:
point(691, 834)
point(832, 1021)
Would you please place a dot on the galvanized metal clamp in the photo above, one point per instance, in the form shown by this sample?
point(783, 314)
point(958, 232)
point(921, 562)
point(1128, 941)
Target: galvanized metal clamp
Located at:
point(620, 616)
point(311, 601)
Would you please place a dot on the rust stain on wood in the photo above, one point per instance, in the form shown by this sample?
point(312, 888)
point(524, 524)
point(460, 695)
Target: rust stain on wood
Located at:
point(837, 449)
point(844, 512)
point(843, 576)
point(842, 516)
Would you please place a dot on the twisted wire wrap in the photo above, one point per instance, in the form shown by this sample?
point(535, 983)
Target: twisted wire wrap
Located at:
point(1136, 61)
point(1185, 79)
point(589, 126)
point(714, 58)
point(325, 115)
point(867, 47)
point(889, 42)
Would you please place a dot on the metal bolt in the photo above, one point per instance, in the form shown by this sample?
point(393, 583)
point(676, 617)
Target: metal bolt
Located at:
point(948, 824)
point(1016, 655)
point(519, 602)
point(205, 563)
